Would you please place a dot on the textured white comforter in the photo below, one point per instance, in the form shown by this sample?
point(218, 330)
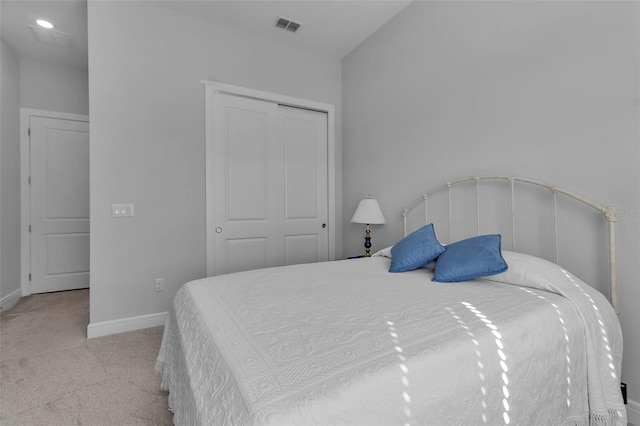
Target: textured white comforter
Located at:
point(349, 343)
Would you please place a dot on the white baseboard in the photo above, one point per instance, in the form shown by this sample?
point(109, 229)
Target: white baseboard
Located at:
point(10, 299)
point(633, 412)
point(106, 328)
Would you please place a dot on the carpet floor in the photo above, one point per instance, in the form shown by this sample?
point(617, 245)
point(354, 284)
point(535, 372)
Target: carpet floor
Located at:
point(51, 374)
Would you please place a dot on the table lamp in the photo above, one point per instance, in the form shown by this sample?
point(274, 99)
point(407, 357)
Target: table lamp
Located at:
point(369, 213)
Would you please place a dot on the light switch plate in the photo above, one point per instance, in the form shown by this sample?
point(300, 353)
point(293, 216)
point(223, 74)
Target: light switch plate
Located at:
point(121, 210)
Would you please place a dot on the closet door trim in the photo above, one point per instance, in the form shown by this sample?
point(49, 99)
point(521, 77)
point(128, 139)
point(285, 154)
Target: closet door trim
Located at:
point(211, 88)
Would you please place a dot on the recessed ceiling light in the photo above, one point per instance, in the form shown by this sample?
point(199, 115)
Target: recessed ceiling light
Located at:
point(44, 24)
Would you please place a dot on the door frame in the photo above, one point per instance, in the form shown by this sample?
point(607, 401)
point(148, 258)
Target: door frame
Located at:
point(25, 187)
point(213, 87)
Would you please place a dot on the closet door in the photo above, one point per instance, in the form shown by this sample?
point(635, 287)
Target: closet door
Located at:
point(247, 184)
point(304, 218)
point(268, 190)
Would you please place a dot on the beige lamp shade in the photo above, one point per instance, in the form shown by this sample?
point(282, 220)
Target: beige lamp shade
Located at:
point(368, 212)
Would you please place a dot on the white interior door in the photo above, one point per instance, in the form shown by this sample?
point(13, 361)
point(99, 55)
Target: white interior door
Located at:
point(59, 217)
point(304, 218)
point(246, 175)
point(270, 187)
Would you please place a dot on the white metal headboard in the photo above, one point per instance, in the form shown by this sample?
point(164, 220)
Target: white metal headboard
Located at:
point(609, 213)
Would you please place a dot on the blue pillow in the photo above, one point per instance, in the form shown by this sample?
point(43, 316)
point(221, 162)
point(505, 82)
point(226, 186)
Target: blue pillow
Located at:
point(469, 259)
point(415, 250)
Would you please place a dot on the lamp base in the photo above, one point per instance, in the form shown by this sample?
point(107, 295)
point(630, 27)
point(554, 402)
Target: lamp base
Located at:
point(367, 241)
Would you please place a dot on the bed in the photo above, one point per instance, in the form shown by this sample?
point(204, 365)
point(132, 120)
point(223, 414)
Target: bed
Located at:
point(348, 342)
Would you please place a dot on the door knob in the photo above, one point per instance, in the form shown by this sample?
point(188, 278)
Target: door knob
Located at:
point(218, 230)
point(324, 225)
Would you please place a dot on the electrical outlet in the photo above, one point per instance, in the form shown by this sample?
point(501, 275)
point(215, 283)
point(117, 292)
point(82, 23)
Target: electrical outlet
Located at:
point(159, 284)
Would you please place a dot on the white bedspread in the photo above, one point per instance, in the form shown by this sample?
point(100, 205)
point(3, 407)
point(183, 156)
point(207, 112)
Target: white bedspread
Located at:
point(349, 343)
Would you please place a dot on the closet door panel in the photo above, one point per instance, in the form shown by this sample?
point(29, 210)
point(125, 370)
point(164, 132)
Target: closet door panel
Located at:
point(247, 180)
point(305, 210)
point(301, 248)
point(247, 163)
point(245, 254)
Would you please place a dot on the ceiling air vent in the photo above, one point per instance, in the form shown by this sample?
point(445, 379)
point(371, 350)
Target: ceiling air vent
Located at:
point(51, 37)
point(287, 24)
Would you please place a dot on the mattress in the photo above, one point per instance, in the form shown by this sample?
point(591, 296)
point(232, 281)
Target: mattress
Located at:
point(347, 342)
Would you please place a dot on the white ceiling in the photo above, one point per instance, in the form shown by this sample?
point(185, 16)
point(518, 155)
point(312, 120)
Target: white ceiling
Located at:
point(331, 27)
point(68, 16)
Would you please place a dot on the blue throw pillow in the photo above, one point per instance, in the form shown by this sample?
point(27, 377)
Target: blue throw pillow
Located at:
point(469, 259)
point(415, 250)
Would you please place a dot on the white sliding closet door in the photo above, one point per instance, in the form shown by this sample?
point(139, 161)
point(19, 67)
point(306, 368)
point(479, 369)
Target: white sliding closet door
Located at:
point(304, 136)
point(270, 202)
point(246, 184)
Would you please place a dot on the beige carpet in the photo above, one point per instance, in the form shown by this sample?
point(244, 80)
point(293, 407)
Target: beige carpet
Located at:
point(51, 374)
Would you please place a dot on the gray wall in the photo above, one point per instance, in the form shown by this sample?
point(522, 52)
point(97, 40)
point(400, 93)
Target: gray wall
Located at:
point(54, 87)
point(147, 140)
point(546, 90)
point(9, 172)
